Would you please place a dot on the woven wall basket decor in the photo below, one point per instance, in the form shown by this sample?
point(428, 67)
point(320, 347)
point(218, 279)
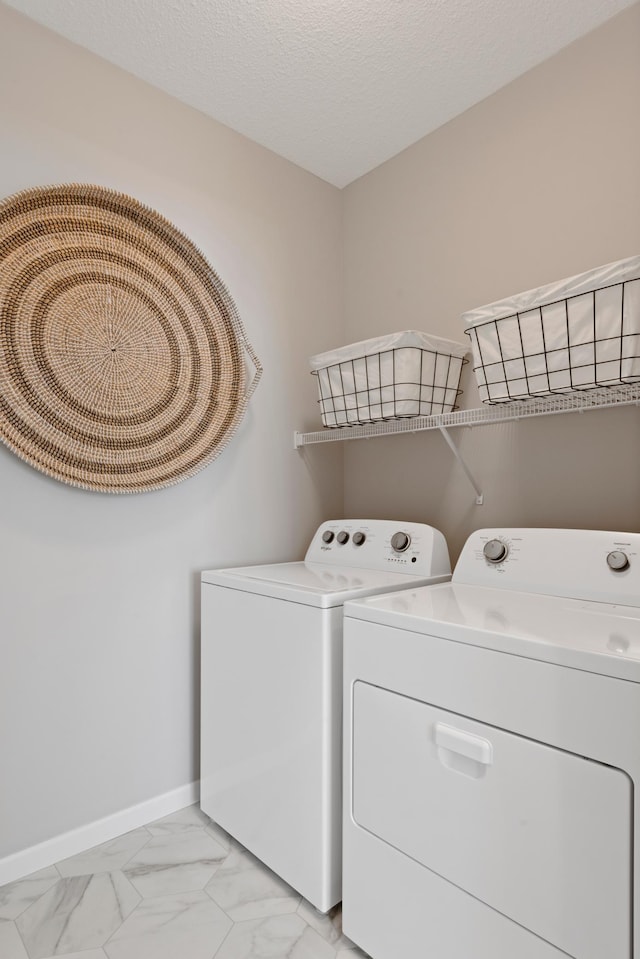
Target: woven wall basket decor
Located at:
point(122, 355)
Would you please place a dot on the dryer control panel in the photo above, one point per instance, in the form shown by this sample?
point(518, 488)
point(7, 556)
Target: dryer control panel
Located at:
point(413, 548)
point(576, 563)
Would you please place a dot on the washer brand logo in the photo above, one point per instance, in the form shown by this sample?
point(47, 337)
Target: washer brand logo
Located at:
point(327, 549)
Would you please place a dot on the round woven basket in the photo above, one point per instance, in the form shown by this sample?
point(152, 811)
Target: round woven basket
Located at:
point(122, 364)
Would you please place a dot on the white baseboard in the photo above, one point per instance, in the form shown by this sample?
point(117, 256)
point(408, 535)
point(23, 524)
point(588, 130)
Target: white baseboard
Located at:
point(47, 853)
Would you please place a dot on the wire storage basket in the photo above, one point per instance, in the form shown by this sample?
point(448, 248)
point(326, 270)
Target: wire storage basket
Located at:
point(388, 377)
point(580, 333)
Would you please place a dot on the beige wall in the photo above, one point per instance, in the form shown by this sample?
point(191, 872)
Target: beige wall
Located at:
point(538, 182)
point(99, 595)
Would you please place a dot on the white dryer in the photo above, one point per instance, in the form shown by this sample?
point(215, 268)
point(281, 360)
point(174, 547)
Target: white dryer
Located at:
point(271, 688)
point(492, 755)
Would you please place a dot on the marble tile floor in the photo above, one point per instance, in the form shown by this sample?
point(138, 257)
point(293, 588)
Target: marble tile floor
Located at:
point(178, 888)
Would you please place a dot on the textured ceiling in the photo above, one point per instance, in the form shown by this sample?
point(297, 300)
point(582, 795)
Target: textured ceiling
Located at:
point(336, 86)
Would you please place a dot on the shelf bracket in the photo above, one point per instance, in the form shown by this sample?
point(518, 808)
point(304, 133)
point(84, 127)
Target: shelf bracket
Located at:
point(456, 452)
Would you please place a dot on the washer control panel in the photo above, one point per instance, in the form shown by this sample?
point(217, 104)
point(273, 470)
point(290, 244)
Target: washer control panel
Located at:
point(412, 548)
point(582, 564)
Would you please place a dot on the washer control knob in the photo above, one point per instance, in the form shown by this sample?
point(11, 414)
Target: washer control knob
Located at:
point(328, 536)
point(400, 542)
point(342, 537)
point(358, 539)
point(618, 561)
point(495, 551)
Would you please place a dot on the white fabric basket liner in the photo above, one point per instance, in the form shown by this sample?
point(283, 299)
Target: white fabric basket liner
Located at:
point(596, 279)
point(577, 333)
point(400, 374)
point(391, 341)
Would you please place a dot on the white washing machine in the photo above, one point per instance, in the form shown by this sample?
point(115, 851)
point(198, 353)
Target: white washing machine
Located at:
point(271, 729)
point(492, 755)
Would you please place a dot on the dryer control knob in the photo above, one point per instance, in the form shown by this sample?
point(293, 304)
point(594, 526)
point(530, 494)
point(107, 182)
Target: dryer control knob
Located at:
point(400, 542)
point(342, 537)
point(618, 561)
point(495, 551)
point(358, 539)
point(327, 536)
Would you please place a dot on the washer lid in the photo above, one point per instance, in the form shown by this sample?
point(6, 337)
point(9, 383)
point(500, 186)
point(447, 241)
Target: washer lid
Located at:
point(596, 637)
point(314, 584)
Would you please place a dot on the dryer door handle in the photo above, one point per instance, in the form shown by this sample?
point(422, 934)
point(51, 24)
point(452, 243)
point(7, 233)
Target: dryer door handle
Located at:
point(465, 744)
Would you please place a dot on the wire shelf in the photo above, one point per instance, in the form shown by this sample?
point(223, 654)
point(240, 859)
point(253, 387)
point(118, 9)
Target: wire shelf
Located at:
point(575, 402)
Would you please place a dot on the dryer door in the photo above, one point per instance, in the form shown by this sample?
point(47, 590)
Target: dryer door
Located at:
point(538, 834)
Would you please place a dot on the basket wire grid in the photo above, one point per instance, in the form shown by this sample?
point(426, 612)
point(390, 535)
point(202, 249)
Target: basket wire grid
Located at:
point(382, 399)
point(578, 363)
